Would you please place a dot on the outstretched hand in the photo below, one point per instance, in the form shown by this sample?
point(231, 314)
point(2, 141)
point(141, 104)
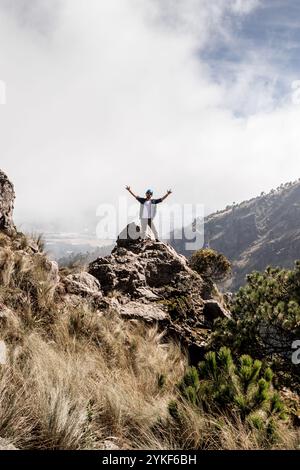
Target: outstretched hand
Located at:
point(166, 195)
point(129, 190)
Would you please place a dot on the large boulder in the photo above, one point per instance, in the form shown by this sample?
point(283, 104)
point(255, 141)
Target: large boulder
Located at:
point(129, 235)
point(152, 282)
point(83, 284)
point(7, 198)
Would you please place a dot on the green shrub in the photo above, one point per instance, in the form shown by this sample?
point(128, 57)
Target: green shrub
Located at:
point(241, 389)
point(211, 264)
point(265, 320)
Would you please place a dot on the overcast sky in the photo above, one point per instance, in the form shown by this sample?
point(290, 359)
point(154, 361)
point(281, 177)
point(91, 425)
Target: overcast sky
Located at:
point(195, 95)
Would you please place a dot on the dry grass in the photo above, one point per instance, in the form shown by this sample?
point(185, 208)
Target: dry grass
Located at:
point(78, 378)
point(73, 392)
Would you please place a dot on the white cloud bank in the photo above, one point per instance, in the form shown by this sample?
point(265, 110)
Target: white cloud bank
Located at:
point(103, 94)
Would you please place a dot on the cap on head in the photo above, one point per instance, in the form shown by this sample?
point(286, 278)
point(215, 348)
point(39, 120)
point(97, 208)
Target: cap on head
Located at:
point(149, 191)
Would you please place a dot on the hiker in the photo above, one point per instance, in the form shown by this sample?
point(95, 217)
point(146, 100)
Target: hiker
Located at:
point(148, 210)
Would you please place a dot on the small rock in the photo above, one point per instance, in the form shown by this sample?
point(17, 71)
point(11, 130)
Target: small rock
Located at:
point(213, 309)
point(146, 312)
point(146, 293)
point(82, 284)
point(6, 445)
point(110, 445)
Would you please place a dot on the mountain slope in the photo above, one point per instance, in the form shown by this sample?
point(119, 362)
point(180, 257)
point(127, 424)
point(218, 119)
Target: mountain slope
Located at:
point(254, 234)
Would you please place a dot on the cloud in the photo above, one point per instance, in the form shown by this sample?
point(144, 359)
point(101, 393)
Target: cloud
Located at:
point(244, 7)
point(205, 21)
point(38, 15)
point(119, 93)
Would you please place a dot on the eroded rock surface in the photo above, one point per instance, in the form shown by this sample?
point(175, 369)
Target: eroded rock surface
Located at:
point(149, 280)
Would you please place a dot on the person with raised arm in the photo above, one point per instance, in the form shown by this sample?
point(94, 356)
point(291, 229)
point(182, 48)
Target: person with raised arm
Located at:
point(148, 210)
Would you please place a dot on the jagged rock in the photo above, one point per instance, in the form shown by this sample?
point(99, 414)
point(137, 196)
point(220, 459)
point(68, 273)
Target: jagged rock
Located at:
point(83, 284)
point(213, 309)
point(148, 312)
point(147, 294)
point(129, 235)
point(7, 197)
point(154, 283)
point(6, 445)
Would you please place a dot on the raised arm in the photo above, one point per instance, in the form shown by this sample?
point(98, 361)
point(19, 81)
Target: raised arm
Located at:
point(166, 195)
point(129, 190)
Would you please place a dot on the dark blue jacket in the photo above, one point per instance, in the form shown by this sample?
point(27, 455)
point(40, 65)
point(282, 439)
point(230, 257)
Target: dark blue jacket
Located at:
point(154, 202)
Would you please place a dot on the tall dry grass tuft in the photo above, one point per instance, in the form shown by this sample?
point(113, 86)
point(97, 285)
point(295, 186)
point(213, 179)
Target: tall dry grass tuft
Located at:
point(27, 282)
point(7, 264)
point(72, 390)
point(87, 381)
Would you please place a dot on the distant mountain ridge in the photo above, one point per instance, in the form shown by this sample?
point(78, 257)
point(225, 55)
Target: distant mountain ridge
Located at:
point(262, 231)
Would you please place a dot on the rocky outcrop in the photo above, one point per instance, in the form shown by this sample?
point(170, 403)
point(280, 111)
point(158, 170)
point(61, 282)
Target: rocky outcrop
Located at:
point(7, 197)
point(148, 280)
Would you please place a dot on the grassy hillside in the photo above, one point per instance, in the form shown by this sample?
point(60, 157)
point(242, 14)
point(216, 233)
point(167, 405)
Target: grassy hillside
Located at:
point(79, 376)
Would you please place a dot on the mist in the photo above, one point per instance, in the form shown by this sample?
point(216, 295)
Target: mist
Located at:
point(104, 94)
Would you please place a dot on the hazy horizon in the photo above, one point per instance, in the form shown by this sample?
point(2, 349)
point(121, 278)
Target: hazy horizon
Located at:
point(199, 96)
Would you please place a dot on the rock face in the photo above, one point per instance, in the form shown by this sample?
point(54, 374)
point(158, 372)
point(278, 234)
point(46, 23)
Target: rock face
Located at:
point(152, 282)
point(213, 309)
point(7, 197)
